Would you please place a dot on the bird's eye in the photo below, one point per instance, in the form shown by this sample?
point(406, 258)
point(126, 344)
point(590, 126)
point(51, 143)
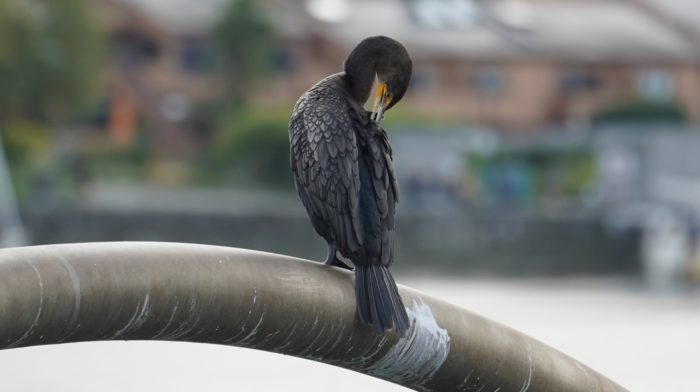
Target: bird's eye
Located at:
point(389, 96)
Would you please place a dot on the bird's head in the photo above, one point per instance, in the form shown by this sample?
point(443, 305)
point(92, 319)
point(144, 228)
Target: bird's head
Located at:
point(386, 60)
point(393, 76)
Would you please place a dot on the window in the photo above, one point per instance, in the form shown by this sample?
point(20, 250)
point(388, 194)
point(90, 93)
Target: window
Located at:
point(134, 47)
point(424, 79)
point(489, 82)
point(194, 55)
point(655, 85)
point(283, 62)
point(578, 81)
point(440, 14)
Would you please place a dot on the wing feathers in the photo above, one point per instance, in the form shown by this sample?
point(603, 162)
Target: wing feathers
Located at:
point(324, 160)
point(327, 139)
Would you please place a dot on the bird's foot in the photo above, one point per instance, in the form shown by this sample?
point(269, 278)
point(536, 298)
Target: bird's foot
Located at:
point(336, 262)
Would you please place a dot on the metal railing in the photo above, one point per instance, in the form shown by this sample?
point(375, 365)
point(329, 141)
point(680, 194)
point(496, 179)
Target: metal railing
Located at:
point(197, 293)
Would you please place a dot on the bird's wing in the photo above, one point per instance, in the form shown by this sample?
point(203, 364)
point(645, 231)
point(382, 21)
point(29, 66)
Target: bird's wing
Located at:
point(378, 161)
point(324, 157)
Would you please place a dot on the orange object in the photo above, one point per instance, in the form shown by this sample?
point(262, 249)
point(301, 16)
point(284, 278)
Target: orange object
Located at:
point(123, 115)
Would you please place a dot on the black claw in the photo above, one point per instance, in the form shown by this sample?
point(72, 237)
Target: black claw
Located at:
point(333, 260)
point(336, 262)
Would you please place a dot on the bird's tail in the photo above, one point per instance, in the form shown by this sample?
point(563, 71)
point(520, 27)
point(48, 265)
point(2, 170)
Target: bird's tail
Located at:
point(378, 300)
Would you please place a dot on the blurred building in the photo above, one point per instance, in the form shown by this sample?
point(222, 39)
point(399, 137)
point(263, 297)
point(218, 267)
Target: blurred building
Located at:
point(159, 68)
point(516, 65)
point(512, 64)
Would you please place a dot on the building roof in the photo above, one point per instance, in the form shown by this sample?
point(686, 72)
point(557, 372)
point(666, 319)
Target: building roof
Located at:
point(680, 15)
point(182, 16)
point(686, 12)
point(577, 30)
point(592, 30)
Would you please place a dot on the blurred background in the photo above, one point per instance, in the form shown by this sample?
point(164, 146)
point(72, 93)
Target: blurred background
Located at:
point(548, 154)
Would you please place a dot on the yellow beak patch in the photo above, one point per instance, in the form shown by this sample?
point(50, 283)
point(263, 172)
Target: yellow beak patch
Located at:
point(382, 99)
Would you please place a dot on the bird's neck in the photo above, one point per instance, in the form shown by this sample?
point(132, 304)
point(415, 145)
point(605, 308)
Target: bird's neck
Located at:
point(360, 88)
point(360, 70)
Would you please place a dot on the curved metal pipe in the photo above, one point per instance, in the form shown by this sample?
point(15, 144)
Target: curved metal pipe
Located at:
point(197, 293)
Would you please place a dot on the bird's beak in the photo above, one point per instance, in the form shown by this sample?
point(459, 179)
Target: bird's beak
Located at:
point(381, 101)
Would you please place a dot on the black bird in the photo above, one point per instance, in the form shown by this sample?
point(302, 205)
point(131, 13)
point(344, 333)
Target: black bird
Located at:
point(342, 165)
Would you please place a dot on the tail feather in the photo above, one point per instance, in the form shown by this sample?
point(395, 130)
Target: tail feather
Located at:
point(378, 300)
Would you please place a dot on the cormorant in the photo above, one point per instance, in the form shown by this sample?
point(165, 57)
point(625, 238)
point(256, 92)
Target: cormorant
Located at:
point(342, 165)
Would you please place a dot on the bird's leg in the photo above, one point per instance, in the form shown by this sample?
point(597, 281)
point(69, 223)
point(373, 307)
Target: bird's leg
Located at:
point(332, 258)
point(332, 249)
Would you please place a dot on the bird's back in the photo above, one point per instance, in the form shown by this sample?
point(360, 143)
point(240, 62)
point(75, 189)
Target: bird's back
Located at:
point(344, 175)
point(343, 172)
point(323, 157)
